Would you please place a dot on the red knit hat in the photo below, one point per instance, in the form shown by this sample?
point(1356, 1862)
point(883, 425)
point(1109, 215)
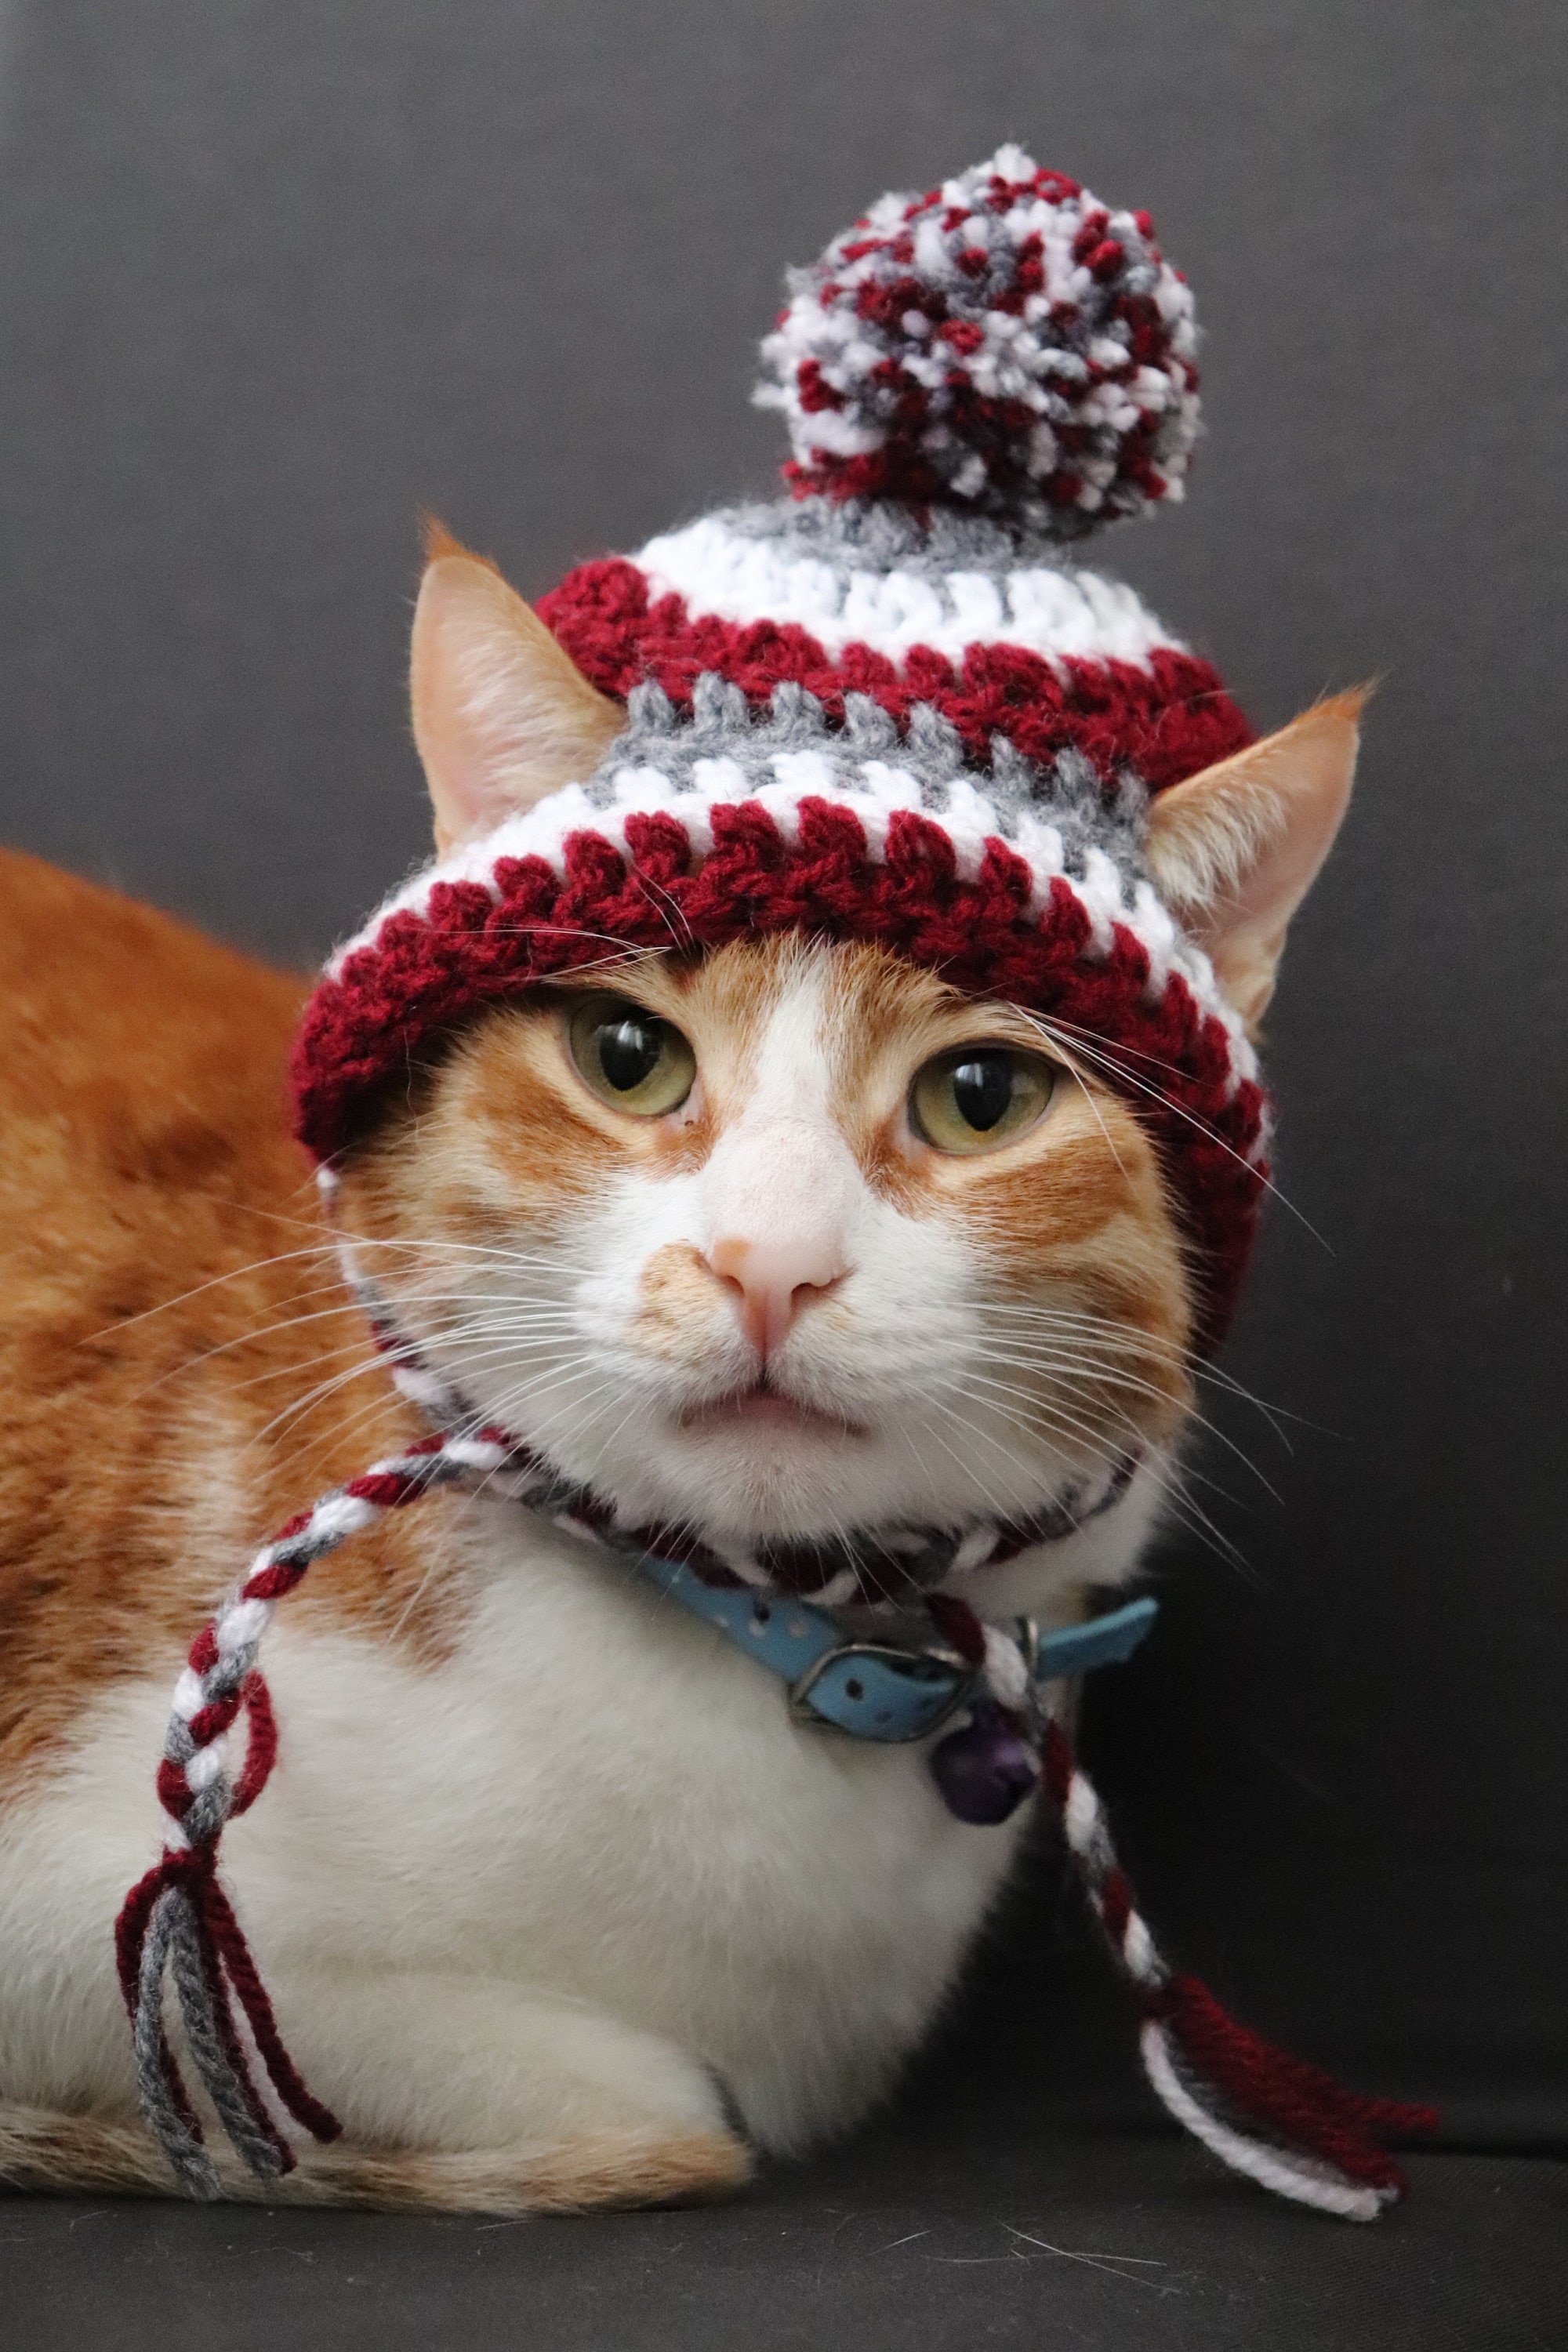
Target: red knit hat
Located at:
point(890, 707)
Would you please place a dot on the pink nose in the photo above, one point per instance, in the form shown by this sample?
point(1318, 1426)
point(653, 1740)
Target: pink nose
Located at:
point(772, 1281)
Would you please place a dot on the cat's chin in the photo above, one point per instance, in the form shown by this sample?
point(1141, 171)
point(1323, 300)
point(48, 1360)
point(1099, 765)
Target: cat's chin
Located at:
point(756, 1461)
point(759, 1463)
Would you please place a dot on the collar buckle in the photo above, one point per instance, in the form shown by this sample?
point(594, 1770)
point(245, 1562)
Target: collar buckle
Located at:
point(875, 1690)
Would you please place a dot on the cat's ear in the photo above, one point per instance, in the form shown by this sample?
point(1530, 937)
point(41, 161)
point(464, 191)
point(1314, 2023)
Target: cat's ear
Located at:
point(501, 713)
point(1233, 851)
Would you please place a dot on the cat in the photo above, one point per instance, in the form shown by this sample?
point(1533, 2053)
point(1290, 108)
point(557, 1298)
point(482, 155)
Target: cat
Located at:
point(558, 1904)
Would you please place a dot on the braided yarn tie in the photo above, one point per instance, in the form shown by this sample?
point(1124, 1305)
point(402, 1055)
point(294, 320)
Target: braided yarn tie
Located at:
point(1283, 2123)
point(177, 1923)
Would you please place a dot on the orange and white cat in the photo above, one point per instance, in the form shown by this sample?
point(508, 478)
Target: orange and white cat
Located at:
point(557, 1902)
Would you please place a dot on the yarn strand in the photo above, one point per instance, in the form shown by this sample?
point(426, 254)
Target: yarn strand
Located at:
point(1282, 2123)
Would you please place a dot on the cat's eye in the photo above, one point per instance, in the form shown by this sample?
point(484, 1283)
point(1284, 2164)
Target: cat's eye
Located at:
point(978, 1095)
point(631, 1058)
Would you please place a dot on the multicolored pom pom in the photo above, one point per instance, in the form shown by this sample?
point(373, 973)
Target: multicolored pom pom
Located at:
point(1004, 343)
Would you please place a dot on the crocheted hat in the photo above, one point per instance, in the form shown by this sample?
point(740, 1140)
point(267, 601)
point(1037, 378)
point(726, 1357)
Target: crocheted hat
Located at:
point(890, 707)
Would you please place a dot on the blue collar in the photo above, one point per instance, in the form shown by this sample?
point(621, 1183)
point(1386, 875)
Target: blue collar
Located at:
point(879, 1690)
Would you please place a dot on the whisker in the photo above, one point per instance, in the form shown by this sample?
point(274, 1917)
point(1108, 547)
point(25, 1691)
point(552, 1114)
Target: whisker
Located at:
point(1132, 1340)
point(1086, 1092)
point(235, 1274)
point(1168, 1479)
point(1122, 1379)
point(1098, 1055)
point(1182, 1506)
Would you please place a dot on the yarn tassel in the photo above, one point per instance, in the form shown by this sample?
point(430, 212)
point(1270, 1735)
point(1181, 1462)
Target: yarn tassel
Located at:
point(1282, 2123)
point(170, 1938)
point(177, 1926)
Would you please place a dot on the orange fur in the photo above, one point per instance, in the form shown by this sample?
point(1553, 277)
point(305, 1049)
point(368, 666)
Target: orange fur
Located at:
point(147, 1177)
point(439, 542)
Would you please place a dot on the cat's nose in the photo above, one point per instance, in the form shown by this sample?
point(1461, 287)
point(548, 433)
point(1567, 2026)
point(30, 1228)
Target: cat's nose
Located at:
point(770, 1282)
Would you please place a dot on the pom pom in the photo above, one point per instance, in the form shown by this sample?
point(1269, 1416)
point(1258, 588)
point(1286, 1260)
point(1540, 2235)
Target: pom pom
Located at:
point(1004, 344)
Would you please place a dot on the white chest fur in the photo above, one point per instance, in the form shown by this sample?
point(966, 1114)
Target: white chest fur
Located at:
point(593, 1810)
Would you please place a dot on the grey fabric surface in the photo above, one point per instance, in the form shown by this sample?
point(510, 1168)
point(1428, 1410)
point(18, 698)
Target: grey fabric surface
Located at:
point(1115, 2244)
point(276, 275)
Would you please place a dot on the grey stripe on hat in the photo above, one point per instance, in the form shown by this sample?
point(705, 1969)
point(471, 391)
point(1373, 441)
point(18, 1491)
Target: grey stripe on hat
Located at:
point(1068, 794)
point(882, 535)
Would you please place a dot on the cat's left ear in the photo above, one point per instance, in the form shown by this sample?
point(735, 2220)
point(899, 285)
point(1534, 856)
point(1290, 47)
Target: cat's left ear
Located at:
point(503, 715)
point(1233, 851)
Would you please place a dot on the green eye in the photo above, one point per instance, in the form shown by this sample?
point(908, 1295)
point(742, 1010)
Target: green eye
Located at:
point(632, 1059)
point(977, 1096)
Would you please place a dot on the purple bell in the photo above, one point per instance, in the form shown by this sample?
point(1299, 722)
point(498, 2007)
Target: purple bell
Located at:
point(985, 1771)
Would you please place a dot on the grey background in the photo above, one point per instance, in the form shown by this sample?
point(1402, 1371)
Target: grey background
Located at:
point(275, 275)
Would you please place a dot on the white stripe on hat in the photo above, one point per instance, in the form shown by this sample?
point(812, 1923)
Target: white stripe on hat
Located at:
point(1053, 609)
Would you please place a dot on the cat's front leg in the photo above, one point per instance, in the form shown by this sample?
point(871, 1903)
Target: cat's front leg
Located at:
point(476, 2093)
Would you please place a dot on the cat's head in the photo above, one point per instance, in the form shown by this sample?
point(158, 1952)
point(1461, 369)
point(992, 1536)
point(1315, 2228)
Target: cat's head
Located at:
point(748, 1204)
point(814, 1089)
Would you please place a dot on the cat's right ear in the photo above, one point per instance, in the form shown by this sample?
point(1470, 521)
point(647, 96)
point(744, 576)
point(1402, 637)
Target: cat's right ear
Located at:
point(501, 713)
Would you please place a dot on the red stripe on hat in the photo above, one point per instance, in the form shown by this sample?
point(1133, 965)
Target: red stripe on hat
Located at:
point(1167, 721)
